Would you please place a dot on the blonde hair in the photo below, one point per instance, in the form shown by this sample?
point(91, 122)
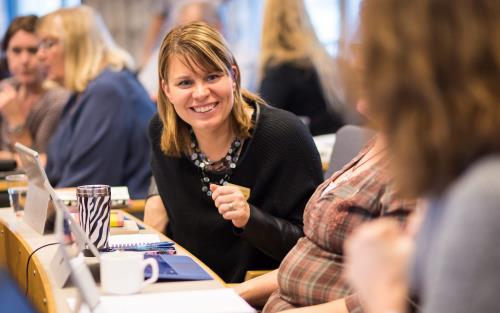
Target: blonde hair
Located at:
point(432, 77)
point(87, 45)
point(199, 46)
point(288, 36)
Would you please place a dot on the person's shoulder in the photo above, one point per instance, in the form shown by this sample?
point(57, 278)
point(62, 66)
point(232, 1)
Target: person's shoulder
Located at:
point(280, 120)
point(482, 177)
point(55, 95)
point(476, 192)
point(117, 87)
point(155, 128)
point(119, 81)
point(280, 128)
point(291, 66)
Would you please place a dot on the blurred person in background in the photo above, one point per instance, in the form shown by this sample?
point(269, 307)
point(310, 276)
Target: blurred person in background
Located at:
point(297, 73)
point(102, 135)
point(173, 14)
point(30, 106)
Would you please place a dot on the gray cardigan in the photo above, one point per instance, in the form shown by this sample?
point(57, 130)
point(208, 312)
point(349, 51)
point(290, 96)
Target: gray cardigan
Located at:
point(456, 267)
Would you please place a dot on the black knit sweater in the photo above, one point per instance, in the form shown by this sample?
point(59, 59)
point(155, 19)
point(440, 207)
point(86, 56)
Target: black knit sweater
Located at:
point(281, 166)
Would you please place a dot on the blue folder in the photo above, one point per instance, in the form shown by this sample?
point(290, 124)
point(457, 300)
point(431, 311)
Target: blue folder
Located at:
point(177, 267)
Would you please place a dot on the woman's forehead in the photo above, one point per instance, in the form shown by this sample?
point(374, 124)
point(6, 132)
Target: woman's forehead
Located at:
point(195, 64)
point(50, 26)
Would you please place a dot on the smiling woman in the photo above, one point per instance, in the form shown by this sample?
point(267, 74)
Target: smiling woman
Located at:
point(233, 173)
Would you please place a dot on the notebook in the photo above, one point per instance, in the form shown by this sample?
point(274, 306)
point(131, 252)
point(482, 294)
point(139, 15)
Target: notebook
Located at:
point(177, 267)
point(122, 241)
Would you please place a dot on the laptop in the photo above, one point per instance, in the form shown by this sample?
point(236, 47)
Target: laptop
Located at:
point(37, 176)
point(172, 267)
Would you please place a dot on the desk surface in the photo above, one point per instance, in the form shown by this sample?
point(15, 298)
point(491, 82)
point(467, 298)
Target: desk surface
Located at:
point(44, 256)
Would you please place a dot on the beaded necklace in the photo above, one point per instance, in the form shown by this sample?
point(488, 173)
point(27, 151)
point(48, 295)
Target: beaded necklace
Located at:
point(226, 165)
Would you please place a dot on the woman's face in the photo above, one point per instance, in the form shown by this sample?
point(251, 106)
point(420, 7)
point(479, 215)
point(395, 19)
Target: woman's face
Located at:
point(22, 59)
point(202, 99)
point(51, 55)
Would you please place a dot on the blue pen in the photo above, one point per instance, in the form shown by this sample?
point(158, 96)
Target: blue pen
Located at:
point(149, 248)
point(164, 244)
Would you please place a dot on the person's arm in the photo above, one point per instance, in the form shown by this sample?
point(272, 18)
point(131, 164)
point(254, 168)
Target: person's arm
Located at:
point(54, 100)
point(155, 213)
point(14, 118)
point(250, 220)
point(462, 273)
point(256, 291)
point(289, 181)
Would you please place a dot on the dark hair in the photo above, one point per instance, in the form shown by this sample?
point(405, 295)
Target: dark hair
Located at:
point(26, 23)
point(432, 75)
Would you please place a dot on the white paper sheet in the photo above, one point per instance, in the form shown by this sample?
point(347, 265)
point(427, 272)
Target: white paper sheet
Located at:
point(199, 301)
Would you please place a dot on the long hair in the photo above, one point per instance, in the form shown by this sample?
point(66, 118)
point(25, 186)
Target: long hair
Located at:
point(288, 36)
point(199, 46)
point(432, 77)
point(87, 44)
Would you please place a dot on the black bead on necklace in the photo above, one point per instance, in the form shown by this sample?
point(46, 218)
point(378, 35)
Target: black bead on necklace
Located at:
point(225, 165)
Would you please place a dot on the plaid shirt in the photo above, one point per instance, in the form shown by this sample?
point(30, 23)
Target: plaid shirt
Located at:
point(312, 273)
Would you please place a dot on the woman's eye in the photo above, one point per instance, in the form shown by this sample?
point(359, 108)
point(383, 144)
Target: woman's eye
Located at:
point(184, 83)
point(213, 77)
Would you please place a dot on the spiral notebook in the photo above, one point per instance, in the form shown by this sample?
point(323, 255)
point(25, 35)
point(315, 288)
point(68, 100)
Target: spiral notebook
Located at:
point(132, 240)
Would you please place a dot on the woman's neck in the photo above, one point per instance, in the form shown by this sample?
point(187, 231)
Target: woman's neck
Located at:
point(215, 143)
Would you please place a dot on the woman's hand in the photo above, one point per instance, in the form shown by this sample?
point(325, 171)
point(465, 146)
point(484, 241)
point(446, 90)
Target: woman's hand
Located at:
point(377, 265)
point(8, 95)
point(231, 204)
point(9, 106)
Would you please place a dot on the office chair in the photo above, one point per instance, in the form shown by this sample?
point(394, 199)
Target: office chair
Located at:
point(349, 140)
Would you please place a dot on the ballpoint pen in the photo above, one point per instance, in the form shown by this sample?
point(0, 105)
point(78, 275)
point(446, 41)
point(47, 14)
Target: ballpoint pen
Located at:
point(156, 252)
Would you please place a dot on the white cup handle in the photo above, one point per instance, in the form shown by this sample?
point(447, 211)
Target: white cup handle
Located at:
point(154, 271)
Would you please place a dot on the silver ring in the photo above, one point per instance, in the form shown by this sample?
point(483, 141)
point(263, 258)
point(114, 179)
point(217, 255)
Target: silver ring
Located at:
point(230, 206)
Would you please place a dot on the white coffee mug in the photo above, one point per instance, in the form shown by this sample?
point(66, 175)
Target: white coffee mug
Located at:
point(122, 272)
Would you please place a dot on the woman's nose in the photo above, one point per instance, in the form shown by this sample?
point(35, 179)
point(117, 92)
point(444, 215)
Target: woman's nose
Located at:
point(25, 57)
point(41, 53)
point(201, 91)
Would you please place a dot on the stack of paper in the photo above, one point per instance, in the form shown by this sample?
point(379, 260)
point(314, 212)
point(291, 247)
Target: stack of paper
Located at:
point(197, 301)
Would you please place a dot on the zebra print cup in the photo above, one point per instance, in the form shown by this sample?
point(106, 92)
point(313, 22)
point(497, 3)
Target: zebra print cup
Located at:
point(94, 205)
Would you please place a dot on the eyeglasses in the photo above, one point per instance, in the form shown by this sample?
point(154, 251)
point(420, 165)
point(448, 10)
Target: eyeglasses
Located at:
point(48, 43)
